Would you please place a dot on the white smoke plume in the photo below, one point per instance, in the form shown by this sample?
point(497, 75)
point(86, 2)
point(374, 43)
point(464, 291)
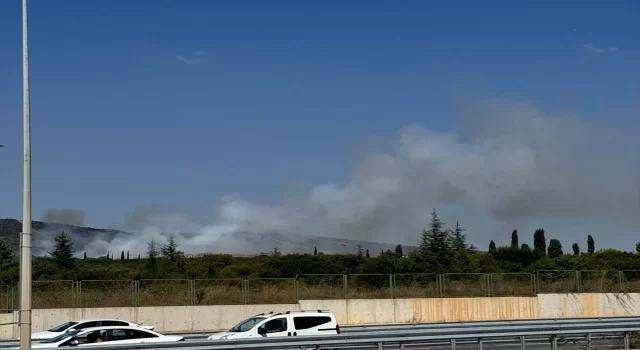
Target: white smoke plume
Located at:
point(509, 166)
point(64, 216)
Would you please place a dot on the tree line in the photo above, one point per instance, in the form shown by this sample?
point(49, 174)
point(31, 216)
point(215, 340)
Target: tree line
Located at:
point(440, 250)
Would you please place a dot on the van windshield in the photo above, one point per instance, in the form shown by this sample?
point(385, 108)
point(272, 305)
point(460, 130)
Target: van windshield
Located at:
point(247, 324)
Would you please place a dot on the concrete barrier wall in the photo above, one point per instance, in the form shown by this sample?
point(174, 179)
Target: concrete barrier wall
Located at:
point(349, 312)
point(588, 305)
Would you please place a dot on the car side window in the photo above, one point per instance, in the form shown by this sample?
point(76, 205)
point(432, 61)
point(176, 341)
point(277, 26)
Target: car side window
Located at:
point(306, 322)
point(145, 334)
point(125, 334)
point(81, 338)
point(109, 323)
point(275, 326)
point(86, 325)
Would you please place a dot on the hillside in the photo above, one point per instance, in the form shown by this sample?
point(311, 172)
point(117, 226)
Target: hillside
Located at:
point(246, 243)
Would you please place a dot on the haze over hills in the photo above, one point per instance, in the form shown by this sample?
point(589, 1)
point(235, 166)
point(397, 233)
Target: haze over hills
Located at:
point(99, 242)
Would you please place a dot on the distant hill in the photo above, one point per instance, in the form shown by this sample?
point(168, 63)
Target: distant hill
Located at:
point(246, 243)
point(44, 232)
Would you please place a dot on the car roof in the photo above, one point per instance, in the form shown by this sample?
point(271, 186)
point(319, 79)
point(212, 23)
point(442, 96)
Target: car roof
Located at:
point(99, 319)
point(297, 313)
point(83, 330)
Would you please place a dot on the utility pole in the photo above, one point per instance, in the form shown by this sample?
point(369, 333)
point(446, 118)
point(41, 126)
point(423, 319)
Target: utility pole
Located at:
point(25, 237)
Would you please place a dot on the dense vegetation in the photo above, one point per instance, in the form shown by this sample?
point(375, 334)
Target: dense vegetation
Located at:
point(443, 265)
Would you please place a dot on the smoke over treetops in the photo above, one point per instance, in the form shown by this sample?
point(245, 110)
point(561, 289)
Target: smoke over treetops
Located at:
point(508, 166)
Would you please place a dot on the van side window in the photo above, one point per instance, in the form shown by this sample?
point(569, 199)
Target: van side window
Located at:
point(306, 322)
point(275, 326)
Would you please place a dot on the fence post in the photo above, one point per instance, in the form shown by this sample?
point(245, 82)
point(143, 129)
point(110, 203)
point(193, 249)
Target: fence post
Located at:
point(245, 290)
point(620, 281)
point(532, 283)
point(391, 286)
point(296, 295)
point(191, 290)
point(489, 278)
point(345, 286)
point(578, 281)
point(441, 285)
point(136, 292)
point(79, 291)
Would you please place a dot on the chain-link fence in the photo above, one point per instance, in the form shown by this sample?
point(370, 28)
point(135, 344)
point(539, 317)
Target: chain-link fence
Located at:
point(182, 292)
point(218, 291)
point(270, 290)
point(321, 287)
point(114, 293)
point(557, 281)
point(164, 292)
point(416, 285)
point(53, 294)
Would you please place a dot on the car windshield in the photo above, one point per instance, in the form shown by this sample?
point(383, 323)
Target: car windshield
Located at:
point(67, 335)
point(63, 327)
point(247, 324)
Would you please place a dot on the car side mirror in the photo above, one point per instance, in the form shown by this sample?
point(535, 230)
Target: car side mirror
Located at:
point(262, 330)
point(74, 342)
point(70, 330)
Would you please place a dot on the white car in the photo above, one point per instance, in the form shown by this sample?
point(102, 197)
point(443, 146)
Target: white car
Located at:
point(82, 324)
point(285, 324)
point(100, 336)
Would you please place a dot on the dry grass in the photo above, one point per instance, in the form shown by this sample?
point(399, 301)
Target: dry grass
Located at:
point(62, 294)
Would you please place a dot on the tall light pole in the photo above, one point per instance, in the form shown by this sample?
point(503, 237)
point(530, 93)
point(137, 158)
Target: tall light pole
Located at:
point(25, 237)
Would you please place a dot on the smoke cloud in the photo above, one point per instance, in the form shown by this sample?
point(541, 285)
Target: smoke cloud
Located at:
point(509, 165)
point(64, 216)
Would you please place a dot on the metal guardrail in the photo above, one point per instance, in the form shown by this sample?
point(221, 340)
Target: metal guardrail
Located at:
point(349, 329)
point(426, 337)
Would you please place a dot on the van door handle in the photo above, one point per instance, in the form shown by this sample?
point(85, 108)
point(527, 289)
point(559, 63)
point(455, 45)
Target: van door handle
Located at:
point(289, 334)
point(295, 333)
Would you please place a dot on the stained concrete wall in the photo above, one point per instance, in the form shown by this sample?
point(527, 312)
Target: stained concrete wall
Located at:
point(380, 311)
point(349, 312)
point(588, 305)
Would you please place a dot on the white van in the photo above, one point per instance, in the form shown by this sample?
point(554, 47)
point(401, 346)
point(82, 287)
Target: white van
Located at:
point(283, 324)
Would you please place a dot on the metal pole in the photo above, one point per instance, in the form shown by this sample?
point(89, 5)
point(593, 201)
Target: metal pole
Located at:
point(25, 247)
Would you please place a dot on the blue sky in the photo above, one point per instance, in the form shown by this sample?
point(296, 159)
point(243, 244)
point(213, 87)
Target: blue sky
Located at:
point(182, 102)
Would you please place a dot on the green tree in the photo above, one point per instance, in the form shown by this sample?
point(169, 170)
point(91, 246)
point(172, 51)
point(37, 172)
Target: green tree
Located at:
point(525, 249)
point(84, 256)
point(63, 252)
point(435, 251)
point(638, 247)
point(367, 254)
point(464, 261)
point(152, 254)
point(459, 240)
point(170, 250)
point(122, 255)
point(276, 251)
point(514, 239)
point(591, 245)
point(315, 251)
point(6, 254)
point(492, 247)
point(576, 249)
point(127, 255)
point(360, 251)
point(399, 250)
point(8, 267)
point(555, 249)
point(539, 243)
